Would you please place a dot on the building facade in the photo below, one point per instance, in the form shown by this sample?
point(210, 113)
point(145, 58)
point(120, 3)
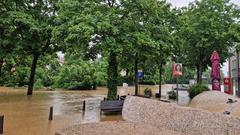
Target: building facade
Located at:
point(234, 73)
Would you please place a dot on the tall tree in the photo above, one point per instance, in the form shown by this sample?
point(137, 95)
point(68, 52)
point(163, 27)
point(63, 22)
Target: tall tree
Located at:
point(92, 24)
point(33, 21)
point(205, 26)
point(114, 28)
point(148, 26)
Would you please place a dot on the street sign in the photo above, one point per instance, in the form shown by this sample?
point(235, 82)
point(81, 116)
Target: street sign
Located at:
point(177, 69)
point(140, 74)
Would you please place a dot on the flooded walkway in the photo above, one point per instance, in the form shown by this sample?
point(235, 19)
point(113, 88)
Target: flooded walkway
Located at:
point(25, 115)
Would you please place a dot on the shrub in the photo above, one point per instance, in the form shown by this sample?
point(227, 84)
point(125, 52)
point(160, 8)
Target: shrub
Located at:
point(38, 84)
point(172, 95)
point(76, 77)
point(197, 89)
point(148, 92)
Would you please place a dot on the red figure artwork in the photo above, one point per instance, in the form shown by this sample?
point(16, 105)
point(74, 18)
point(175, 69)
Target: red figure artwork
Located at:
point(215, 74)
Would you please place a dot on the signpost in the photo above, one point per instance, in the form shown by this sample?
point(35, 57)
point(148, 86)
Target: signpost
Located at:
point(177, 72)
point(177, 69)
point(140, 76)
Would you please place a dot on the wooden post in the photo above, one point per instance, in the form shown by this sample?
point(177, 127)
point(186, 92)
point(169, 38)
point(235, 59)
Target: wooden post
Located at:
point(84, 105)
point(1, 123)
point(51, 113)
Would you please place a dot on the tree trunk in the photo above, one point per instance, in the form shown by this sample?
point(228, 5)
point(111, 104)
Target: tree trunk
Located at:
point(1, 65)
point(199, 74)
point(112, 76)
point(127, 72)
point(136, 74)
point(160, 80)
point(32, 74)
point(127, 76)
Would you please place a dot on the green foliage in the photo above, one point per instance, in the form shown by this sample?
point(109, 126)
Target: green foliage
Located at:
point(38, 84)
point(79, 74)
point(172, 95)
point(114, 31)
point(203, 27)
point(148, 92)
point(125, 33)
point(27, 30)
point(14, 71)
point(22, 76)
point(197, 89)
point(76, 76)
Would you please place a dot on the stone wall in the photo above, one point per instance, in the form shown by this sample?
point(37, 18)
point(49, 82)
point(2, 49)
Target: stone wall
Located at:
point(182, 119)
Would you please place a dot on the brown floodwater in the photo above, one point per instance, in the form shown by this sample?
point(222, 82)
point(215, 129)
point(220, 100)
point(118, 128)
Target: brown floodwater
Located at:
point(28, 115)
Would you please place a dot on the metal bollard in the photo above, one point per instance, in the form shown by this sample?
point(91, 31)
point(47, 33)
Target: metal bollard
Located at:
point(1, 123)
point(84, 105)
point(51, 113)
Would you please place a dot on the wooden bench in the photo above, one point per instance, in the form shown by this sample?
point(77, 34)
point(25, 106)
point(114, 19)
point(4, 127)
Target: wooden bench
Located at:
point(111, 106)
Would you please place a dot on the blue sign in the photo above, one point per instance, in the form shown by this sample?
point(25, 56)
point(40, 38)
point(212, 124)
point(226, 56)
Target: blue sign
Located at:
point(140, 75)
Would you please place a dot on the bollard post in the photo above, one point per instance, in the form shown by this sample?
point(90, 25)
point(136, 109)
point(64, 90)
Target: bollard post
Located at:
point(118, 98)
point(51, 113)
point(84, 105)
point(1, 123)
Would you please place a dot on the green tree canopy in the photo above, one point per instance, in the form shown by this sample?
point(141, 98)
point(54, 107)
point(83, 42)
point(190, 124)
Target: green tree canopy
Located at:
point(31, 21)
point(205, 26)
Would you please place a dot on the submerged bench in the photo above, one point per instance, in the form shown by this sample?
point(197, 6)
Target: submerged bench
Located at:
point(111, 105)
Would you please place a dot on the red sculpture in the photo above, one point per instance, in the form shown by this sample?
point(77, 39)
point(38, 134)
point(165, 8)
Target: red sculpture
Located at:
point(215, 74)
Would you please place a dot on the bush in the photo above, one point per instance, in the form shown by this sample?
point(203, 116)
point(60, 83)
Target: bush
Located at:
point(38, 84)
point(197, 89)
point(172, 95)
point(76, 77)
point(148, 92)
point(81, 75)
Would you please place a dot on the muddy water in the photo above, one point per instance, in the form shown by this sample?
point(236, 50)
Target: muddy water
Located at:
point(26, 115)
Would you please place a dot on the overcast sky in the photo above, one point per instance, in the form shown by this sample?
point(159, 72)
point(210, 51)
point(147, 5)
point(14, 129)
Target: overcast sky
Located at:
point(181, 3)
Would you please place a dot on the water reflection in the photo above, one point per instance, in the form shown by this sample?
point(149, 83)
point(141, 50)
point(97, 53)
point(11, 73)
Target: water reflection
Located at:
point(26, 115)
